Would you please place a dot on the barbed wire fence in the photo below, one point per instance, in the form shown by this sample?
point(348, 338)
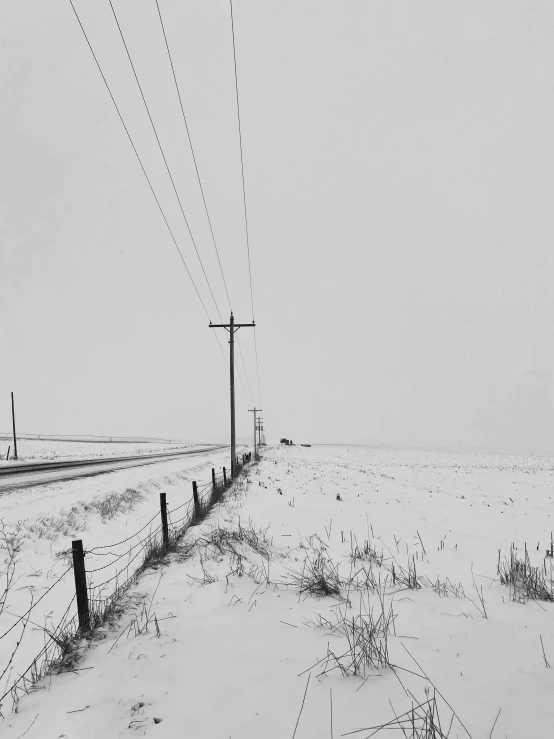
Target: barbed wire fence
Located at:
point(90, 607)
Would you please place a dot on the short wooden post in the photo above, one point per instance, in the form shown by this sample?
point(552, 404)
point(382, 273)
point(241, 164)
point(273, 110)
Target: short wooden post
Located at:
point(196, 500)
point(213, 477)
point(163, 511)
point(80, 584)
point(8, 454)
point(224, 477)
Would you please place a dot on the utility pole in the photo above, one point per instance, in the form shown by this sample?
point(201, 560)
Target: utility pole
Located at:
point(259, 429)
point(254, 411)
point(14, 436)
point(232, 328)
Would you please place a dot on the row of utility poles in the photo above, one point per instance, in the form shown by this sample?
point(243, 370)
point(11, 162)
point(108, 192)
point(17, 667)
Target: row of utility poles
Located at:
point(232, 328)
point(261, 437)
point(254, 411)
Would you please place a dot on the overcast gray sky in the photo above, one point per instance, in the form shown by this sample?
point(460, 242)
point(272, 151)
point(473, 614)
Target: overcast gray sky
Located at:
point(399, 165)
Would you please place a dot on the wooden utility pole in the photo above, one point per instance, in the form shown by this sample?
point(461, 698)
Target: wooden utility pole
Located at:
point(260, 429)
point(14, 436)
point(254, 411)
point(232, 328)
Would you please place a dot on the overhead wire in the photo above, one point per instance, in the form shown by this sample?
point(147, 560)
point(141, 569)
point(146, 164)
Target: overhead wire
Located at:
point(163, 154)
point(144, 171)
point(178, 90)
point(193, 153)
point(138, 157)
point(171, 176)
point(135, 150)
point(244, 195)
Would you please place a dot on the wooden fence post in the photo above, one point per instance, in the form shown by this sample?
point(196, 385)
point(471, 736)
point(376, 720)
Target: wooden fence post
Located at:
point(213, 477)
point(196, 500)
point(80, 584)
point(224, 477)
point(163, 511)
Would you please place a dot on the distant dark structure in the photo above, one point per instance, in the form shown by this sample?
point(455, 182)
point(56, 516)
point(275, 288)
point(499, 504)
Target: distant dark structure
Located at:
point(305, 444)
point(287, 442)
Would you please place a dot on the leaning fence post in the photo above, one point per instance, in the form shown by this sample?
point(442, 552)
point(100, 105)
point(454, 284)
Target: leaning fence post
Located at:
point(80, 584)
point(163, 511)
point(224, 477)
point(196, 500)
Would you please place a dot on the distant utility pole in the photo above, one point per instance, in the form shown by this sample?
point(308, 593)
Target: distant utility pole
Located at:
point(259, 428)
point(14, 436)
point(254, 411)
point(232, 328)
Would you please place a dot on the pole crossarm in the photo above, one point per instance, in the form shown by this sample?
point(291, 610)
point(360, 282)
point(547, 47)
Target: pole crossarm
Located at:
point(228, 325)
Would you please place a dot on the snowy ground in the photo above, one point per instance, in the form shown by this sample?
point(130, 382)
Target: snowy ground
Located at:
point(34, 450)
point(40, 522)
point(235, 643)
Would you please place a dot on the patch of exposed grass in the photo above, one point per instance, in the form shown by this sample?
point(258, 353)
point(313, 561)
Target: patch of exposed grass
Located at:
point(319, 576)
point(114, 504)
point(366, 636)
point(221, 538)
point(366, 552)
point(525, 581)
point(67, 523)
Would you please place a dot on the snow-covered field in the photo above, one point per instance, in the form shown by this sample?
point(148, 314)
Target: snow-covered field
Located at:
point(221, 643)
point(34, 450)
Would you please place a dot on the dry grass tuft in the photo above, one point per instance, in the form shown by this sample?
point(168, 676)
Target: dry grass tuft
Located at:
point(366, 635)
point(319, 576)
point(525, 581)
point(422, 721)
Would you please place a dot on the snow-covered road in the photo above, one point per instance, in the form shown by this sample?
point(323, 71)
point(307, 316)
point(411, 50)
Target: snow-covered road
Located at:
point(32, 474)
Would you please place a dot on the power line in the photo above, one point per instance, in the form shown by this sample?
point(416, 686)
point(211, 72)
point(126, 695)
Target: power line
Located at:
point(178, 90)
point(244, 193)
point(192, 152)
point(241, 159)
point(171, 176)
point(163, 156)
point(245, 372)
point(150, 183)
point(144, 170)
point(138, 158)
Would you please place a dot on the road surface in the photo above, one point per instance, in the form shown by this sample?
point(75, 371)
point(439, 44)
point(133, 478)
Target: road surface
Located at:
point(43, 473)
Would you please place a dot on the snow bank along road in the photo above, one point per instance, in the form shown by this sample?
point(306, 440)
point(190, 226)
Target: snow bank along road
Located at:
point(408, 543)
point(41, 473)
